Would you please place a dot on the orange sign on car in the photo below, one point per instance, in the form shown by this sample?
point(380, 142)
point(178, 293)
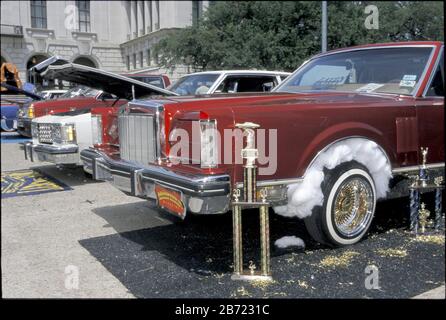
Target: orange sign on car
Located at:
point(170, 200)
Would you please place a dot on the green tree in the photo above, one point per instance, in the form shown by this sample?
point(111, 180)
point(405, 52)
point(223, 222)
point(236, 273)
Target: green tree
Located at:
point(280, 35)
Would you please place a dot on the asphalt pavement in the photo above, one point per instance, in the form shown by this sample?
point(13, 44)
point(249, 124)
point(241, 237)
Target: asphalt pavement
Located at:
point(93, 241)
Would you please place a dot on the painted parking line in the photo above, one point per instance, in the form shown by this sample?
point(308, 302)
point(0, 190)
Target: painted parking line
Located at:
point(29, 182)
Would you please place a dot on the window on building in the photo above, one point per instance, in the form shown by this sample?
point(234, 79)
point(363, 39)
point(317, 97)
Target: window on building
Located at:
point(141, 59)
point(197, 11)
point(157, 9)
point(143, 15)
point(149, 57)
point(134, 61)
point(83, 8)
point(136, 19)
point(150, 23)
point(128, 62)
point(38, 14)
point(155, 58)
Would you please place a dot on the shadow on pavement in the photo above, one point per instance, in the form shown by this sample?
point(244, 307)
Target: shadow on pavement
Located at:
point(71, 176)
point(193, 258)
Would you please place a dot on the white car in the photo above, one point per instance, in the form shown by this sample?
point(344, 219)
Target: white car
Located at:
point(228, 81)
point(59, 138)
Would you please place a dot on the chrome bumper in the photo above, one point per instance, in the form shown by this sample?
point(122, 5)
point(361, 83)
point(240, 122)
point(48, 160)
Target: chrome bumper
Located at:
point(203, 194)
point(24, 126)
point(56, 155)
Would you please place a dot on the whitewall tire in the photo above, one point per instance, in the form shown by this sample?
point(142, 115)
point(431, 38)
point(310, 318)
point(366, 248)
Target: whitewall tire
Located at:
point(348, 207)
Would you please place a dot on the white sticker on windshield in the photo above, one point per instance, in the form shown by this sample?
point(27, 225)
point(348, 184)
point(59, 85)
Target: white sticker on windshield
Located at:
point(410, 77)
point(369, 87)
point(407, 83)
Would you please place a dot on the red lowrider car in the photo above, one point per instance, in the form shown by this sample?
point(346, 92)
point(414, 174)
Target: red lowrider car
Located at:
point(337, 131)
point(85, 98)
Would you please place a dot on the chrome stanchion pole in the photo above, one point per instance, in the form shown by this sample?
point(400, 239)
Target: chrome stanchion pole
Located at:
point(237, 234)
point(264, 237)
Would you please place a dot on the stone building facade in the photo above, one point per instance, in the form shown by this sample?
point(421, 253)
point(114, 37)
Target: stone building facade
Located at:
point(117, 36)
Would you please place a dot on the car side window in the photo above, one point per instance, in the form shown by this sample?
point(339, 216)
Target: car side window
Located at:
point(436, 88)
point(247, 84)
point(106, 95)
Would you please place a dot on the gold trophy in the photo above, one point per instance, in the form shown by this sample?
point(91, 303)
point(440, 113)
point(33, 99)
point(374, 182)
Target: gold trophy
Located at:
point(423, 214)
point(423, 171)
point(250, 154)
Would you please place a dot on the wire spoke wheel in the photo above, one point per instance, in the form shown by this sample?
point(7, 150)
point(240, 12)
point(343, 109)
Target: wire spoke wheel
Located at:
point(353, 206)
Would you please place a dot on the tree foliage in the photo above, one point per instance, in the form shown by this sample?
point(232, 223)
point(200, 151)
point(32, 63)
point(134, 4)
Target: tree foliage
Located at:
point(280, 35)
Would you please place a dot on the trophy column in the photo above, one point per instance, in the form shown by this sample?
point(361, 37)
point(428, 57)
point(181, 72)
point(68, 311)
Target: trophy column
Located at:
point(250, 155)
point(422, 182)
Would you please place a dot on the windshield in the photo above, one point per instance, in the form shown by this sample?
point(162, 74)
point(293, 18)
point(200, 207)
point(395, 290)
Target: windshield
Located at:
point(390, 70)
point(156, 81)
point(194, 84)
point(79, 91)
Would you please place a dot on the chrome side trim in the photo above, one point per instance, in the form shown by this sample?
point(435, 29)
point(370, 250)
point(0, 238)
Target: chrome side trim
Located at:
point(277, 182)
point(136, 175)
point(103, 165)
point(417, 167)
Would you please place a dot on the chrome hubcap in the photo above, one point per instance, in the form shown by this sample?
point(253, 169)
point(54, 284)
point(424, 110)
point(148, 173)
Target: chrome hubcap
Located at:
point(353, 207)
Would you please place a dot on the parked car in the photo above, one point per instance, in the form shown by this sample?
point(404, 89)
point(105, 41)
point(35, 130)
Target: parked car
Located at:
point(79, 97)
point(348, 121)
point(52, 94)
point(12, 98)
point(161, 81)
point(228, 81)
point(76, 98)
point(59, 138)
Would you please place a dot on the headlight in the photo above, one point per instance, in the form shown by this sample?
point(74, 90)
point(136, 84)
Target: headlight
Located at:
point(20, 112)
point(96, 128)
point(113, 130)
point(209, 143)
point(30, 112)
point(162, 134)
point(64, 133)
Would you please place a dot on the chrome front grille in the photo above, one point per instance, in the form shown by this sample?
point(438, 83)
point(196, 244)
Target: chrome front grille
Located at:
point(137, 137)
point(45, 133)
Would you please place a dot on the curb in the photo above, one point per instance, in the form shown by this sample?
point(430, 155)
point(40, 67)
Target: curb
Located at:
point(437, 293)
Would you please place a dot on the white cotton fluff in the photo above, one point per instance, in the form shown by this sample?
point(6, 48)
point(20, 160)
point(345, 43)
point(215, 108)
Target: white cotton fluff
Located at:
point(289, 241)
point(305, 195)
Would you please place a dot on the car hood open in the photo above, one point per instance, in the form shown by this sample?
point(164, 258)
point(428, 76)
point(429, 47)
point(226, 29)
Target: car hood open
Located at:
point(121, 86)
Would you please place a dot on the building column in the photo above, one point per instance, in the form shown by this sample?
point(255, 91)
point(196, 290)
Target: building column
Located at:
point(148, 18)
point(140, 12)
point(133, 26)
point(156, 14)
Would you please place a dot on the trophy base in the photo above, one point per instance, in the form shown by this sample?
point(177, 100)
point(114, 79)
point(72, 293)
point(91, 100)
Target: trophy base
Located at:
point(428, 232)
point(251, 277)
